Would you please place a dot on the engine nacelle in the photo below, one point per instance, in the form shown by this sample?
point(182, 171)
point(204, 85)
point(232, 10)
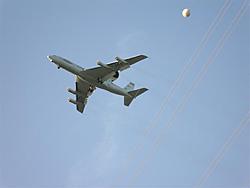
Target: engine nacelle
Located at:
point(125, 64)
point(72, 101)
point(103, 65)
point(74, 92)
point(120, 60)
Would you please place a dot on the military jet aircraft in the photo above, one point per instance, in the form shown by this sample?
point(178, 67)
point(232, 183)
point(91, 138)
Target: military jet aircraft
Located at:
point(102, 77)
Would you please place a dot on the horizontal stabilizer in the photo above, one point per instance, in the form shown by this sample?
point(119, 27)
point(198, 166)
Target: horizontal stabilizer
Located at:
point(133, 94)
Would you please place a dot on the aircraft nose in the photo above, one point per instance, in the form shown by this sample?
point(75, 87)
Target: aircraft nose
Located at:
point(49, 58)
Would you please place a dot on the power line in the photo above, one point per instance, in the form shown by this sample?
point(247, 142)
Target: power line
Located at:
point(184, 100)
point(180, 77)
point(214, 163)
point(191, 61)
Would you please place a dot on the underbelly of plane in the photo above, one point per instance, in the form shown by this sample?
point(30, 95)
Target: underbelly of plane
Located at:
point(107, 85)
point(114, 89)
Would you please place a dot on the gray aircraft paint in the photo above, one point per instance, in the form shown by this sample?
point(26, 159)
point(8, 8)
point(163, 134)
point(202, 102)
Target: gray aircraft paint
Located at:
point(102, 82)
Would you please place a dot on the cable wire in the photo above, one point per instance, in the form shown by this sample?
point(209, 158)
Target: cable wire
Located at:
point(184, 100)
point(221, 153)
point(180, 77)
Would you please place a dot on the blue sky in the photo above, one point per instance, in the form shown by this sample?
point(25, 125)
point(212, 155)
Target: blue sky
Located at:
point(45, 142)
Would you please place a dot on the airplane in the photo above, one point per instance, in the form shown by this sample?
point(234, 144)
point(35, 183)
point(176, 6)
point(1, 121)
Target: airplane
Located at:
point(103, 76)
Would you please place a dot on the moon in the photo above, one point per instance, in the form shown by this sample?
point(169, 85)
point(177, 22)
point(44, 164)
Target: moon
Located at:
point(186, 12)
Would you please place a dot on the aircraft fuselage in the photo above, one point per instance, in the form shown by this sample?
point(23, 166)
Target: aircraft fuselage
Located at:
point(79, 71)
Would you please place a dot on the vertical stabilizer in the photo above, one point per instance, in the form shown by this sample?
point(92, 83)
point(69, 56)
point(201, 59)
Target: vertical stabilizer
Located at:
point(129, 87)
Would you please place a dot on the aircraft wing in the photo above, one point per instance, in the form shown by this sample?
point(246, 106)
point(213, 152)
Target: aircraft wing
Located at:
point(119, 65)
point(82, 94)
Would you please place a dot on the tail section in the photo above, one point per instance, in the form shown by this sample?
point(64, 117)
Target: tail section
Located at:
point(129, 87)
point(133, 94)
